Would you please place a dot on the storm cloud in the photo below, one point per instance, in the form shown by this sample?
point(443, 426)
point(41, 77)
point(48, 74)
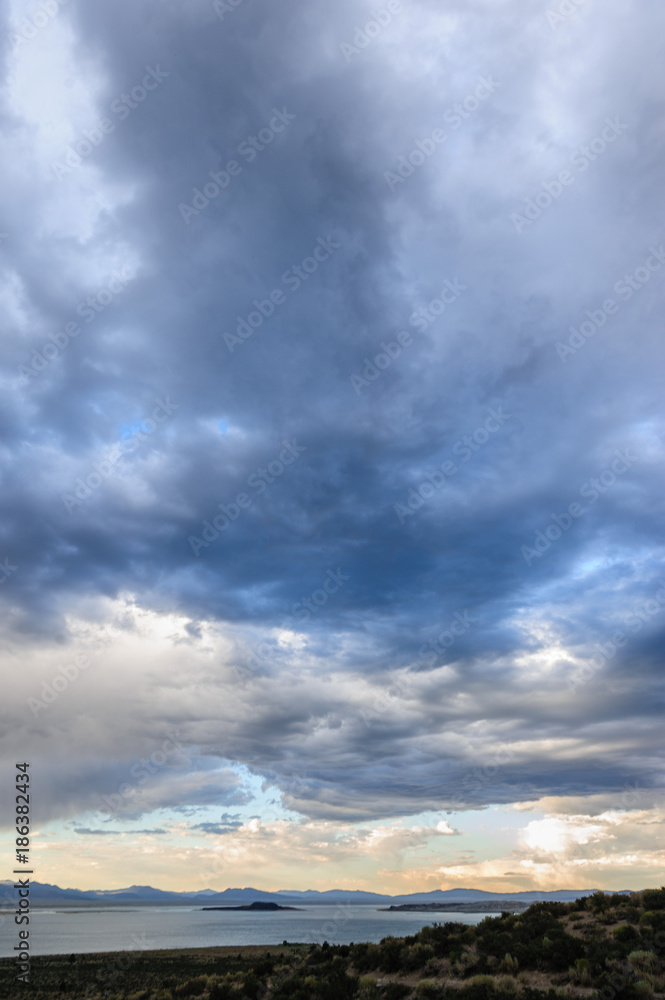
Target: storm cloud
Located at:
point(332, 406)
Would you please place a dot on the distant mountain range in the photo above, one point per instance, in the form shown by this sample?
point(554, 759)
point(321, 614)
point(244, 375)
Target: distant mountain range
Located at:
point(42, 893)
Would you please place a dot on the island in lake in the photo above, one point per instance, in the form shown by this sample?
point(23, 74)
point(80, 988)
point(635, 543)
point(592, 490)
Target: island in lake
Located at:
point(482, 906)
point(253, 906)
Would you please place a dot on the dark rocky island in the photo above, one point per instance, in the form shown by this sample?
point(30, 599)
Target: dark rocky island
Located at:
point(482, 906)
point(253, 906)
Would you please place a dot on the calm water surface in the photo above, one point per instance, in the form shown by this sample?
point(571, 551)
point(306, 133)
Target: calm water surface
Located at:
point(61, 932)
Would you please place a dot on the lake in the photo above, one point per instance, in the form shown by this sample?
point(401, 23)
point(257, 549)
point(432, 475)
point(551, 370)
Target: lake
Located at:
point(111, 929)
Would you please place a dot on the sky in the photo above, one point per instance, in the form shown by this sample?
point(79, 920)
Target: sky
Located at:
point(332, 438)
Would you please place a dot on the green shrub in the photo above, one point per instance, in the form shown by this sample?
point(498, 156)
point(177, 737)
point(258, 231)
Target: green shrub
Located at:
point(220, 991)
point(251, 988)
point(192, 988)
point(396, 991)
point(506, 984)
point(580, 973)
point(597, 902)
point(391, 954)
point(366, 957)
point(509, 964)
point(654, 899)
point(367, 988)
point(290, 987)
point(644, 960)
point(415, 957)
point(433, 967)
point(625, 934)
point(428, 989)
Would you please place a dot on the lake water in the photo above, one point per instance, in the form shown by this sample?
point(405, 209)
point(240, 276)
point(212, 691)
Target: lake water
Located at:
point(110, 929)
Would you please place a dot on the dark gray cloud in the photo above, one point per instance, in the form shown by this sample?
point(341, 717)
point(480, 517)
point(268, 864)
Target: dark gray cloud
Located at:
point(82, 831)
point(166, 418)
point(219, 829)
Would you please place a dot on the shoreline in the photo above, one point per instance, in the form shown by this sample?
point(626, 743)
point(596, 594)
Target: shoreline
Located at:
point(210, 951)
point(490, 907)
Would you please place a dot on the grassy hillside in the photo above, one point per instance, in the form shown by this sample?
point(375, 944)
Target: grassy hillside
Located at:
point(609, 947)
